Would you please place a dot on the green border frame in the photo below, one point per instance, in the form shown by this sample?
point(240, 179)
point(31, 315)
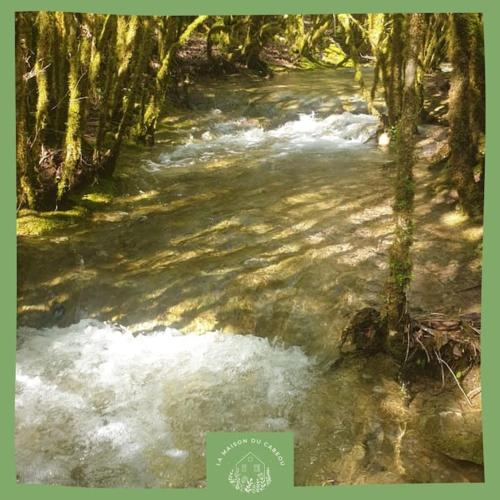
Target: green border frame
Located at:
point(491, 270)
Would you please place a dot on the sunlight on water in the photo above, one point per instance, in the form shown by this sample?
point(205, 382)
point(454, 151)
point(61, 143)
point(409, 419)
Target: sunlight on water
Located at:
point(279, 226)
point(95, 402)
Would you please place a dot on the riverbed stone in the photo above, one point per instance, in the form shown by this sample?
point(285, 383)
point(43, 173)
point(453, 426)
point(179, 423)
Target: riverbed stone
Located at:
point(447, 421)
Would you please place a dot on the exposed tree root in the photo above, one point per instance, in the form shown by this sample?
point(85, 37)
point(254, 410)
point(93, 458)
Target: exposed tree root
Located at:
point(435, 343)
point(451, 344)
point(453, 338)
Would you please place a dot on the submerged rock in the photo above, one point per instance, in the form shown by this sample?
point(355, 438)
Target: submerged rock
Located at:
point(449, 424)
point(58, 310)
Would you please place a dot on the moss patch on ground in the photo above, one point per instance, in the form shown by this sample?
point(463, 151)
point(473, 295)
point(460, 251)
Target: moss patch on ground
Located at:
point(32, 223)
point(94, 198)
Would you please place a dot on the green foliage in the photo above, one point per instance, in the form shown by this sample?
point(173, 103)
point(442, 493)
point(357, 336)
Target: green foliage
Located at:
point(88, 83)
point(334, 54)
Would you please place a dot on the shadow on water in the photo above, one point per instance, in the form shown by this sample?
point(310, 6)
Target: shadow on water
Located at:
point(234, 224)
point(239, 251)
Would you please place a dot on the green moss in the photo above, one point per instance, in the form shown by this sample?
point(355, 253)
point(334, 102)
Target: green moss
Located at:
point(401, 272)
point(32, 223)
point(96, 200)
point(335, 55)
point(305, 63)
point(404, 200)
point(43, 60)
point(95, 197)
point(73, 142)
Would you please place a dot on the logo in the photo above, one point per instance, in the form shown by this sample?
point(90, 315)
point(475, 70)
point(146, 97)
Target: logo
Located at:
point(250, 475)
point(250, 463)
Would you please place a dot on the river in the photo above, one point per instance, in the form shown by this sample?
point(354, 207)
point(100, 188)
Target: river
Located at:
point(210, 294)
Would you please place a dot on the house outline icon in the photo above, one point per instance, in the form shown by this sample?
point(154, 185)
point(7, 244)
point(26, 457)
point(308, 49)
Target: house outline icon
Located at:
point(256, 465)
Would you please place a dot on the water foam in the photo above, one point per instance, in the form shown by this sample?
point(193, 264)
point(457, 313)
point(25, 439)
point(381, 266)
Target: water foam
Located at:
point(336, 131)
point(96, 405)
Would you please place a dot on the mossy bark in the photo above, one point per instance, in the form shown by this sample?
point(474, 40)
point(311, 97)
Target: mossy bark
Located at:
point(477, 91)
point(349, 24)
point(86, 26)
point(99, 48)
point(60, 72)
point(73, 140)
point(152, 111)
point(252, 45)
point(434, 44)
point(144, 32)
point(376, 23)
point(127, 41)
point(308, 42)
point(295, 30)
point(24, 161)
point(463, 104)
point(400, 262)
point(106, 49)
point(394, 80)
point(218, 29)
point(42, 65)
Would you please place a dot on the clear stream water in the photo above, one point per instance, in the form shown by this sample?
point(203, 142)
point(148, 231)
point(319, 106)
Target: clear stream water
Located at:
point(210, 294)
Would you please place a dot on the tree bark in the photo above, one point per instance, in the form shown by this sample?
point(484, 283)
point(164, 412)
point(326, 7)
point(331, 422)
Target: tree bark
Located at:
point(462, 107)
point(73, 141)
point(24, 160)
point(400, 262)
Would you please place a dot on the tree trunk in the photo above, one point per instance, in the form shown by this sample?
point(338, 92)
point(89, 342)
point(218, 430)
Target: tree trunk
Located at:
point(73, 141)
point(462, 144)
point(42, 65)
point(157, 98)
point(24, 161)
point(143, 50)
point(400, 263)
point(107, 48)
point(395, 70)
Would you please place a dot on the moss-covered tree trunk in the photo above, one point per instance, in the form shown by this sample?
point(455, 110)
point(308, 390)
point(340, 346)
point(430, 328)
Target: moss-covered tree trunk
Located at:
point(106, 51)
point(86, 27)
point(26, 176)
point(400, 263)
point(43, 62)
point(153, 110)
point(394, 80)
point(462, 104)
point(60, 74)
point(295, 30)
point(477, 92)
point(138, 65)
point(350, 26)
point(73, 137)
point(126, 44)
point(308, 47)
point(252, 45)
point(218, 29)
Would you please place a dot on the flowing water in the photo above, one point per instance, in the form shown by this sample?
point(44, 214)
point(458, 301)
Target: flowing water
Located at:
point(210, 294)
